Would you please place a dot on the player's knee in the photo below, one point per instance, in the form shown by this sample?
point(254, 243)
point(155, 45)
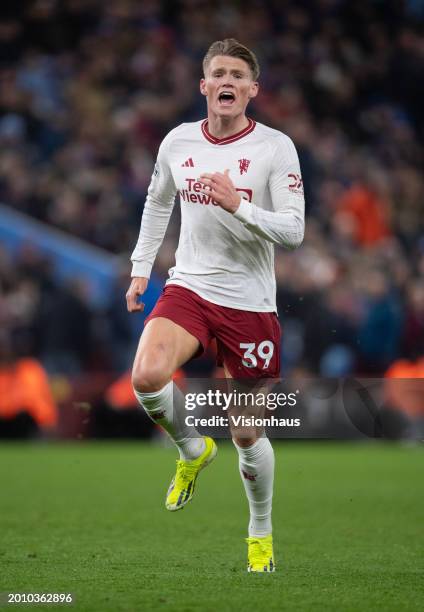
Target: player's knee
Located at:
point(245, 441)
point(150, 375)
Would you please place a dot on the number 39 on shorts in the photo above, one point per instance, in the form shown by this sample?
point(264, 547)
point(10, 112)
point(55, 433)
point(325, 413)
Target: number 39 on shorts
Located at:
point(264, 351)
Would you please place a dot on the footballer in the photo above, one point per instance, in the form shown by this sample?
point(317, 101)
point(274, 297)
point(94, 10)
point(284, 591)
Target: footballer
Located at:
point(240, 191)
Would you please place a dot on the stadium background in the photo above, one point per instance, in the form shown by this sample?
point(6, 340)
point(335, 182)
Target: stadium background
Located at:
point(87, 91)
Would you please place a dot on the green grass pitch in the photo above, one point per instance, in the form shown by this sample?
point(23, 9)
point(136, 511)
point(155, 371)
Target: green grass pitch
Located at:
point(90, 519)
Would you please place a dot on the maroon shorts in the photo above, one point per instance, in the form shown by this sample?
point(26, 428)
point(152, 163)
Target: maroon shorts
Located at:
point(248, 342)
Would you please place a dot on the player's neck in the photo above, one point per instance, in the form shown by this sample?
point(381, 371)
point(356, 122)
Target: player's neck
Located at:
point(223, 127)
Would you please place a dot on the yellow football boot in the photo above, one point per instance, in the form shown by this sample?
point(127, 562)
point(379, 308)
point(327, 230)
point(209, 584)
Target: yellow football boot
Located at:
point(181, 488)
point(260, 554)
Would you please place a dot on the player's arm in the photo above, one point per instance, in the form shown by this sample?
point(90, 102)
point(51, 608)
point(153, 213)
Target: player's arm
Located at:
point(157, 211)
point(286, 223)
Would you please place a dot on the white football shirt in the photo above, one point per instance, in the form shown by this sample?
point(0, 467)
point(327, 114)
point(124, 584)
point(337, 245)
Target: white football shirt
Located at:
point(225, 258)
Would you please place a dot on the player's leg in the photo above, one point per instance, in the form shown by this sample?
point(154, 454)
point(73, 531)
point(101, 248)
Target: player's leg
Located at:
point(250, 346)
point(174, 333)
point(164, 347)
point(256, 467)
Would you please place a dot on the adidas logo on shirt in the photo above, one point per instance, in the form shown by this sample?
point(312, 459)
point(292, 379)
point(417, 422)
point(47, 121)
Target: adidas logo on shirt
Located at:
point(188, 163)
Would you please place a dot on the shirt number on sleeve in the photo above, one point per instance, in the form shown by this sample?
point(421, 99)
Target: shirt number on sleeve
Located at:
point(265, 351)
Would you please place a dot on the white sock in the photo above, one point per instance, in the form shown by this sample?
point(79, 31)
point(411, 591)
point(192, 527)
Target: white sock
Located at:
point(166, 408)
point(256, 464)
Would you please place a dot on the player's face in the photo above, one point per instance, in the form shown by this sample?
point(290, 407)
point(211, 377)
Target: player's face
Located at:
point(228, 85)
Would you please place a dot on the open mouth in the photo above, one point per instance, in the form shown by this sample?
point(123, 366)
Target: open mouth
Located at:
point(226, 98)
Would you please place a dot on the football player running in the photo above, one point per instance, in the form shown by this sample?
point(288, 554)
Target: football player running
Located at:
point(241, 193)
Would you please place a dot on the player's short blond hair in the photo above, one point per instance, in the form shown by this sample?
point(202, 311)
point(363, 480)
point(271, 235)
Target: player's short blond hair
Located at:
point(231, 47)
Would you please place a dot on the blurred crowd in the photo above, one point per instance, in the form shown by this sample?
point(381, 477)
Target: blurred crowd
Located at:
point(87, 91)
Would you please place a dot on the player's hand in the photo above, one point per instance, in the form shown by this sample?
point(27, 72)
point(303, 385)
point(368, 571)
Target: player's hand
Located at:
point(138, 287)
point(221, 189)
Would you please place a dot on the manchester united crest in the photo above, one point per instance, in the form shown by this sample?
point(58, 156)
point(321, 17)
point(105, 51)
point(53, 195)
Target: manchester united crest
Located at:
point(243, 165)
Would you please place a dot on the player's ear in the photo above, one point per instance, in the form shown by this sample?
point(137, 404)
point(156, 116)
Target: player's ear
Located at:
point(254, 88)
point(203, 87)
